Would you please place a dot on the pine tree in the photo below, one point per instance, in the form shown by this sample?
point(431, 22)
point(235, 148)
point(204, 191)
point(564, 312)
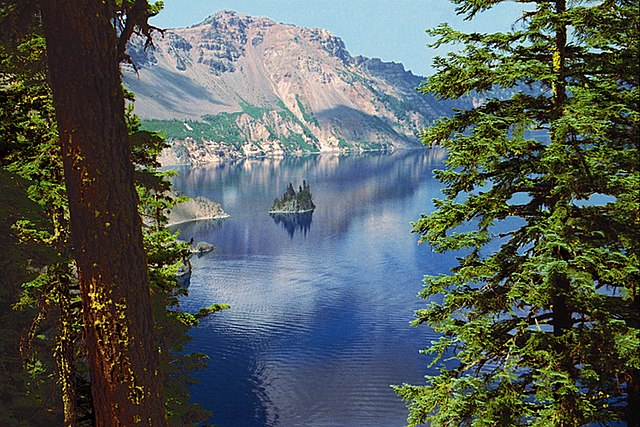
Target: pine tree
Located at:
point(165, 254)
point(540, 316)
point(83, 64)
point(30, 148)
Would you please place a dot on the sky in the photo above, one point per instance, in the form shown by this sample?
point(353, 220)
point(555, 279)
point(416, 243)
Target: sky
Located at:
point(393, 30)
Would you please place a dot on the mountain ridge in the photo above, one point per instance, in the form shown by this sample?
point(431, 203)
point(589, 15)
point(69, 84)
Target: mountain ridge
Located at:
point(236, 86)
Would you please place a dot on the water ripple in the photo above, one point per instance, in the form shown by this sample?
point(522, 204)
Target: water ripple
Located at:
point(318, 327)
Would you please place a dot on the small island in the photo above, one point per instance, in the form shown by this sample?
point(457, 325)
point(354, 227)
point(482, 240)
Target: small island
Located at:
point(194, 209)
point(292, 202)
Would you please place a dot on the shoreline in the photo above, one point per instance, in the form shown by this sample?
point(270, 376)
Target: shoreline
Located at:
point(292, 213)
point(291, 155)
point(213, 218)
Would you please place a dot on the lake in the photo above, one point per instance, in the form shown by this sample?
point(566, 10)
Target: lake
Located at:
point(318, 327)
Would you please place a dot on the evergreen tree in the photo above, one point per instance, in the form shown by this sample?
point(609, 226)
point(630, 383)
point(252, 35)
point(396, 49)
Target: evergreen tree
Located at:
point(293, 202)
point(83, 62)
point(539, 322)
point(29, 147)
point(165, 255)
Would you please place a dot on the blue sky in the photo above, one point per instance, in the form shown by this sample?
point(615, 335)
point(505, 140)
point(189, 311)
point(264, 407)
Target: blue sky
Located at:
point(393, 30)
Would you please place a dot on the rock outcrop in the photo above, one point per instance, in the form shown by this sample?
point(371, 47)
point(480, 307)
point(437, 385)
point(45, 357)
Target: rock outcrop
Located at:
point(236, 86)
point(199, 208)
point(202, 248)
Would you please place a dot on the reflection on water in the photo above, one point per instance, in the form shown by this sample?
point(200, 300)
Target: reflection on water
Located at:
point(294, 221)
point(319, 321)
point(341, 184)
point(204, 227)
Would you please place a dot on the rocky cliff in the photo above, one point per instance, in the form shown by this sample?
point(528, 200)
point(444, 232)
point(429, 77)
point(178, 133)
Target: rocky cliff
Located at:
point(235, 86)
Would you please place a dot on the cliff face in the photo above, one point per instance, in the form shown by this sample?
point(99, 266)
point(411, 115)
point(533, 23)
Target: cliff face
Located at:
point(235, 86)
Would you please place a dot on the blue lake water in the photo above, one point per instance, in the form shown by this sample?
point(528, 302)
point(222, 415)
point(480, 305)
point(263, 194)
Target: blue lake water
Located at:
point(318, 327)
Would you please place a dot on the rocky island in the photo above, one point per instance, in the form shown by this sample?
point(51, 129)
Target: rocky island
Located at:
point(292, 202)
point(199, 208)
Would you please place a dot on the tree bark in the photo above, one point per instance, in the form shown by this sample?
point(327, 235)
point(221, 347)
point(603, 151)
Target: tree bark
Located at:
point(105, 226)
point(64, 355)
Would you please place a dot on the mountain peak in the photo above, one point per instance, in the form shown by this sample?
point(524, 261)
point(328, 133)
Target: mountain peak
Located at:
point(224, 15)
point(235, 83)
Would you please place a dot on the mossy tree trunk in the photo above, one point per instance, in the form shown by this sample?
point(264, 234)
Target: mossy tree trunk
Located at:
point(105, 227)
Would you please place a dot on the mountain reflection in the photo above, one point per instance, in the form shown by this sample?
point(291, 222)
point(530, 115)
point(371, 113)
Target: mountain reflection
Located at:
point(294, 221)
point(344, 187)
point(198, 230)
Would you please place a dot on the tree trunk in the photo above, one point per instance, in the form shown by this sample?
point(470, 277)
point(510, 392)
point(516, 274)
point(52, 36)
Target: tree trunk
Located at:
point(64, 355)
point(105, 227)
point(568, 413)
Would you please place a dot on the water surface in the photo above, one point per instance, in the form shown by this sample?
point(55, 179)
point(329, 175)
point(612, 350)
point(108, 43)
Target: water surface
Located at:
point(318, 328)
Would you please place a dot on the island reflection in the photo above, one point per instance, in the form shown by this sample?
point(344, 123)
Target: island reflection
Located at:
point(294, 221)
point(344, 187)
point(317, 315)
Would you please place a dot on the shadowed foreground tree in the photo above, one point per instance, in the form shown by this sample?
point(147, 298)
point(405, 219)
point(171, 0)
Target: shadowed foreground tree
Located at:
point(83, 62)
point(540, 318)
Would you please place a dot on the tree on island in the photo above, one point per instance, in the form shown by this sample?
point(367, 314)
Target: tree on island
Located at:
point(540, 324)
point(293, 202)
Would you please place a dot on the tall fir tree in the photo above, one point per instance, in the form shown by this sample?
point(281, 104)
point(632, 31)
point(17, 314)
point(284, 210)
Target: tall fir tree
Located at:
point(29, 148)
point(83, 58)
point(540, 318)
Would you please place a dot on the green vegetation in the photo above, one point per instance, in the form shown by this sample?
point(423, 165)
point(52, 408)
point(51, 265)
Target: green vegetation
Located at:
point(45, 377)
point(293, 202)
point(342, 143)
point(539, 324)
point(306, 115)
point(397, 106)
point(296, 141)
point(379, 124)
point(219, 127)
point(165, 255)
point(223, 127)
point(351, 78)
point(253, 111)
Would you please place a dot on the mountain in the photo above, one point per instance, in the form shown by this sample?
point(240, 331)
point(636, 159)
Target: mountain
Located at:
point(235, 86)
